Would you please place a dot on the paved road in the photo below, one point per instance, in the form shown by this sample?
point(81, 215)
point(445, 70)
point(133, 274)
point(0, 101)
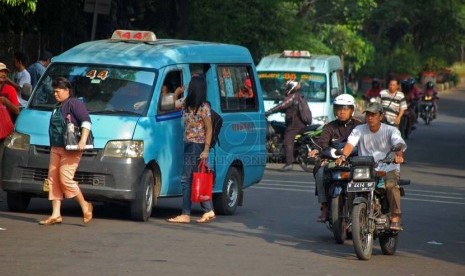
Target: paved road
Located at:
point(274, 233)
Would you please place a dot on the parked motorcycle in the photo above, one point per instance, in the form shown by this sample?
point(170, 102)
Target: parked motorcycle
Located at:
point(370, 213)
point(303, 141)
point(427, 110)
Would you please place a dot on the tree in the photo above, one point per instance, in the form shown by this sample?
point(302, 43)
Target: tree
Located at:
point(26, 5)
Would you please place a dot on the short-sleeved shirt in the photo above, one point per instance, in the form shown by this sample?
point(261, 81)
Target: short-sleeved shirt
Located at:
point(194, 128)
point(36, 70)
point(9, 92)
point(377, 144)
point(392, 104)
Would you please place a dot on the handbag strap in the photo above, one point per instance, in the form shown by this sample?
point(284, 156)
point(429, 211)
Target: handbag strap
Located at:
point(203, 166)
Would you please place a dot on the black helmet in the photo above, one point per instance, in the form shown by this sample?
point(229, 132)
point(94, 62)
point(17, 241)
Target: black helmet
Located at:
point(375, 82)
point(430, 84)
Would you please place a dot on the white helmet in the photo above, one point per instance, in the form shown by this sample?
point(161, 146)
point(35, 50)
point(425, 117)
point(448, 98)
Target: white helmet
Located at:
point(291, 86)
point(344, 100)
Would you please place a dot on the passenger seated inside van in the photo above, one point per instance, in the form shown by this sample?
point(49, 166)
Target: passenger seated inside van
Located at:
point(131, 97)
point(246, 91)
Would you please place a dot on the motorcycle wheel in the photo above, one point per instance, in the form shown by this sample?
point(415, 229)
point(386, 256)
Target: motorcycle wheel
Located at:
point(388, 243)
point(361, 233)
point(427, 117)
point(338, 210)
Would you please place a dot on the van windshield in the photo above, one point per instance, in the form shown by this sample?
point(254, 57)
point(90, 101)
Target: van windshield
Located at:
point(104, 89)
point(313, 86)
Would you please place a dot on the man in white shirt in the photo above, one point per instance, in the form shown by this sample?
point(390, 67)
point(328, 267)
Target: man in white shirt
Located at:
point(21, 76)
point(376, 139)
point(394, 103)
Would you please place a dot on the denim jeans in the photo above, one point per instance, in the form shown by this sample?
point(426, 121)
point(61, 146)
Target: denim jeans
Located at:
point(191, 159)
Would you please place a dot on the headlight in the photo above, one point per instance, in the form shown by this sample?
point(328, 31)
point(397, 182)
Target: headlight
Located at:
point(362, 174)
point(428, 98)
point(17, 141)
point(124, 149)
point(322, 120)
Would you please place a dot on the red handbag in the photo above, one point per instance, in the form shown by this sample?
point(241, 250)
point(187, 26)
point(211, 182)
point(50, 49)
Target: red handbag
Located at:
point(6, 124)
point(202, 183)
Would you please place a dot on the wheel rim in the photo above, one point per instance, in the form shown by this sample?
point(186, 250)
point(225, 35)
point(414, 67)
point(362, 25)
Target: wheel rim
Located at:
point(232, 192)
point(149, 198)
point(366, 236)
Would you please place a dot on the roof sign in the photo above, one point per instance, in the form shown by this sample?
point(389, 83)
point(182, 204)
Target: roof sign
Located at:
point(144, 36)
point(295, 53)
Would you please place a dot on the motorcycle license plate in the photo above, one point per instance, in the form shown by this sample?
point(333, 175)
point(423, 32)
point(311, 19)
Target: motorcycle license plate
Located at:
point(360, 186)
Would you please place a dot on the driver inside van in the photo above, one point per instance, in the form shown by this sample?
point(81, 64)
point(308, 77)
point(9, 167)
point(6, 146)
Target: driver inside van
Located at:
point(131, 97)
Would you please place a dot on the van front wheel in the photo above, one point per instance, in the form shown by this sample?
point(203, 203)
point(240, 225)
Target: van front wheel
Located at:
point(226, 203)
point(141, 207)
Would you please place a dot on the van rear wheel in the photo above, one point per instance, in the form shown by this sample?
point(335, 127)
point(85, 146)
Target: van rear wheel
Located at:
point(17, 202)
point(226, 203)
point(141, 207)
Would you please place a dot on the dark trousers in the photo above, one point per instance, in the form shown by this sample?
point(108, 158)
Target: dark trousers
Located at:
point(289, 137)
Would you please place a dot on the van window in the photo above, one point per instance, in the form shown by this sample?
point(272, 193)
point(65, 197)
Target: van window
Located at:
point(171, 82)
point(313, 85)
point(237, 89)
point(104, 90)
point(337, 83)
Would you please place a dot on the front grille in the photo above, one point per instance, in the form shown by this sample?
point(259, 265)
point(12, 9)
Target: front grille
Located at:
point(83, 178)
point(46, 150)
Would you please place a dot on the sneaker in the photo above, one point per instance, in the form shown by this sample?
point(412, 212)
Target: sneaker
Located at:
point(287, 168)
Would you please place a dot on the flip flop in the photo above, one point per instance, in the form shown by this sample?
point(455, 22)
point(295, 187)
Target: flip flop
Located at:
point(396, 226)
point(179, 219)
point(206, 219)
point(322, 219)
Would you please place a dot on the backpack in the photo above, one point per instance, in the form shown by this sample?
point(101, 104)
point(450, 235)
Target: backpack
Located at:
point(217, 123)
point(304, 111)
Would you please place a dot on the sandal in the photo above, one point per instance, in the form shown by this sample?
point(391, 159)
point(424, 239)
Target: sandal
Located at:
point(180, 219)
point(396, 226)
point(322, 219)
point(51, 221)
point(205, 219)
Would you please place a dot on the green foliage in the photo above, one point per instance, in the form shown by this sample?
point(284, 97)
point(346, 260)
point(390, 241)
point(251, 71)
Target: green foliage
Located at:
point(26, 5)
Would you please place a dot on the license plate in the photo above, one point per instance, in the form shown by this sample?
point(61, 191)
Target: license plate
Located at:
point(360, 186)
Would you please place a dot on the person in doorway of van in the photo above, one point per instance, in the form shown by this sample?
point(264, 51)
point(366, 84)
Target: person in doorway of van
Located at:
point(292, 119)
point(37, 69)
point(394, 103)
point(8, 96)
point(63, 163)
point(197, 140)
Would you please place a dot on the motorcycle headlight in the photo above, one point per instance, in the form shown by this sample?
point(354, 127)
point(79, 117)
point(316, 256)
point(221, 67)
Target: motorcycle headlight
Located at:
point(124, 149)
point(363, 173)
point(428, 98)
point(17, 141)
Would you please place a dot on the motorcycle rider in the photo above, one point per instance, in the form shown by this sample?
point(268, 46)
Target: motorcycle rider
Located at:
point(376, 139)
point(430, 91)
point(292, 119)
point(394, 103)
point(334, 133)
point(412, 95)
point(374, 91)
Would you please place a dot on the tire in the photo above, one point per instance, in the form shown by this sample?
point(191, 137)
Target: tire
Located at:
point(338, 211)
point(361, 234)
point(17, 202)
point(226, 203)
point(141, 207)
point(427, 117)
point(388, 243)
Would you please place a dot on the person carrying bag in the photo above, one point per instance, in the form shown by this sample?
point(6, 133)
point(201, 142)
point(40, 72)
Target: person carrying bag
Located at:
point(63, 163)
point(202, 183)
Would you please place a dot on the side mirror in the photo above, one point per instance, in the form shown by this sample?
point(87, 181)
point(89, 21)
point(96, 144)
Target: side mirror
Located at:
point(167, 102)
point(334, 92)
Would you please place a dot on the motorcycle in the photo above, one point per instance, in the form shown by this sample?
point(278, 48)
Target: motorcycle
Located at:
point(407, 121)
point(339, 201)
point(427, 110)
point(303, 141)
point(370, 212)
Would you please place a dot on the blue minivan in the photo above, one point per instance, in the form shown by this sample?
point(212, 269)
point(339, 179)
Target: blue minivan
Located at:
point(125, 83)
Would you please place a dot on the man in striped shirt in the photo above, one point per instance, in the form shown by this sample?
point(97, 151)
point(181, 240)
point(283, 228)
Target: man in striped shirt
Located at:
point(394, 103)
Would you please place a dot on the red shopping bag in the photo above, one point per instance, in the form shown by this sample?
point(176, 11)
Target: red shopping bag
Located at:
point(6, 124)
point(202, 183)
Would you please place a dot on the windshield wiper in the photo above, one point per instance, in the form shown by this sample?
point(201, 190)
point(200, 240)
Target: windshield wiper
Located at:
point(115, 112)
